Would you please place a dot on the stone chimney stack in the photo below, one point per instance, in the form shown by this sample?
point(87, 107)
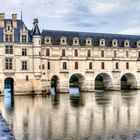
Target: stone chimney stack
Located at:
point(14, 20)
point(2, 16)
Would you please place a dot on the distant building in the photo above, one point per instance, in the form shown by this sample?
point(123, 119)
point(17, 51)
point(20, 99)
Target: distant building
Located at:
point(31, 58)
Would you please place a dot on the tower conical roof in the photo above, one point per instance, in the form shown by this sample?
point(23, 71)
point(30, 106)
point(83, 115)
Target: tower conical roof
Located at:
point(36, 30)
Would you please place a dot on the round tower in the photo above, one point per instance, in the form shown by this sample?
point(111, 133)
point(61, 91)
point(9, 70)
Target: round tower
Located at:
point(36, 38)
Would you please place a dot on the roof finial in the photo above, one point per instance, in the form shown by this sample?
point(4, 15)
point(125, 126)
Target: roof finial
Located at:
point(21, 15)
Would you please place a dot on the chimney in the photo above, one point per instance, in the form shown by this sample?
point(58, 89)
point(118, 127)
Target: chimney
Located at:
point(2, 16)
point(14, 20)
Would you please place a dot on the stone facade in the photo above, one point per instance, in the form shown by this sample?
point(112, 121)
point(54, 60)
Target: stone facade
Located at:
point(37, 57)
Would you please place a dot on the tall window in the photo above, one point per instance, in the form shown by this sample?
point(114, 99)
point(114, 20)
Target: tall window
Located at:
point(8, 49)
point(75, 53)
point(138, 54)
point(127, 65)
point(76, 65)
point(24, 39)
point(127, 54)
point(63, 52)
point(47, 52)
point(64, 65)
point(88, 53)
point(24, 52)
point(102, 53)
point(49, 66)
point(90, 65)
point(115, 54)
point(24, 65)
point(43, 67)
point(117, 65)
point(102, 65)
point(8, 63)
point(27, 77)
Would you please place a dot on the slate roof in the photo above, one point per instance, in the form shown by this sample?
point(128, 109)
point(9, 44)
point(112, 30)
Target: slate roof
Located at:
point(56, 35)
point(36, 30)
point(20, 24)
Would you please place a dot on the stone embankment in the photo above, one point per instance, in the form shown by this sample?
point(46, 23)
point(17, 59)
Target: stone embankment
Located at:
point(5, 131)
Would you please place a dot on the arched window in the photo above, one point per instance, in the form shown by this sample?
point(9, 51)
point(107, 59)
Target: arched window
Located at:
point(64, 65)
point(75, 53)
point(88, 53)
point(63, 52)
point(90, 65)
point(76, 65)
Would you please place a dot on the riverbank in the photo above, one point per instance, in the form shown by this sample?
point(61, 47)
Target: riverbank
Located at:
point(5, 131)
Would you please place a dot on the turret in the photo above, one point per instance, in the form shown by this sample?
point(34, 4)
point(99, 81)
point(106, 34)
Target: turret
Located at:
point(36, 38)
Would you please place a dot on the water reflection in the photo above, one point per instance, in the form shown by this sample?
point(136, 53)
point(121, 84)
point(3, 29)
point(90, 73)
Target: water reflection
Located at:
point(100, 116)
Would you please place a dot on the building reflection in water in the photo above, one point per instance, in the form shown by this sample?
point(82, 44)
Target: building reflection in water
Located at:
point(109, 115)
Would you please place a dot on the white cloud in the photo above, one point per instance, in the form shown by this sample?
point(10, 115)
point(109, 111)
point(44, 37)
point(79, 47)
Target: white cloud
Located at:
point(90, 15)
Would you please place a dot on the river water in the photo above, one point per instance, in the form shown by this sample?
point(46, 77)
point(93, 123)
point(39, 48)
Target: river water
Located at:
point(111, 115)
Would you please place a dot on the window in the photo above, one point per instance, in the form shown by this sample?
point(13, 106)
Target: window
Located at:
point(24, 39)
point(102, 42)
point(76, 41)
point(115, 54)
point(90, 65)
point(24, 52)
point(8, 38)
point(49, 66)
point(8, 63)
point(88, 53)
point(127, 54)
point(64, 65)
point(102, 65)
point(75, 53)
point(138, 54)
point(126, 43)
point(43, 67)
point(89, 41)
point(127, 65)
point(63, 41)
point(114, 43)
point(8, 28)
point(102, 53)
point(117, 65)
point(8, 49)
point(76, 65)
point(24, 65)
point(63, 52)
point(47, 52)
point(27, 77)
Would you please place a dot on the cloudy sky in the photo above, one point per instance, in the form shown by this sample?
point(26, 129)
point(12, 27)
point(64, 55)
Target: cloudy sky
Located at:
point(109, 16)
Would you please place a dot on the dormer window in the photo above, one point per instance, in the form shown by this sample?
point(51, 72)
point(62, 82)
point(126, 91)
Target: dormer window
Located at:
point(138, 43)
point(126, 43)
point(102, 42)
point(76, 41)
point(47, 40)
point(88, 42)
point(114, 43)
point(8, 28)
point(63, 41)
point(24, 39)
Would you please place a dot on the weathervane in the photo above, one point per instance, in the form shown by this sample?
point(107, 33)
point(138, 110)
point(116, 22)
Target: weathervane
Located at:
point(21, 15)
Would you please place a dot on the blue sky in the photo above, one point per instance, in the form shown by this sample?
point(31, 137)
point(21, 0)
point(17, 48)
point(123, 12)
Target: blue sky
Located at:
point(108, 16)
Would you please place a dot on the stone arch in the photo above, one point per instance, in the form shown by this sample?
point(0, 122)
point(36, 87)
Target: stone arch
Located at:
point(103, 81)
point(77, 80)
point(128, 81)
point(55, 82)
point(9, 86)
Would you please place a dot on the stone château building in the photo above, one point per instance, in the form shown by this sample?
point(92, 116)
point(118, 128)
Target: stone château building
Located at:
point(31, 58)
